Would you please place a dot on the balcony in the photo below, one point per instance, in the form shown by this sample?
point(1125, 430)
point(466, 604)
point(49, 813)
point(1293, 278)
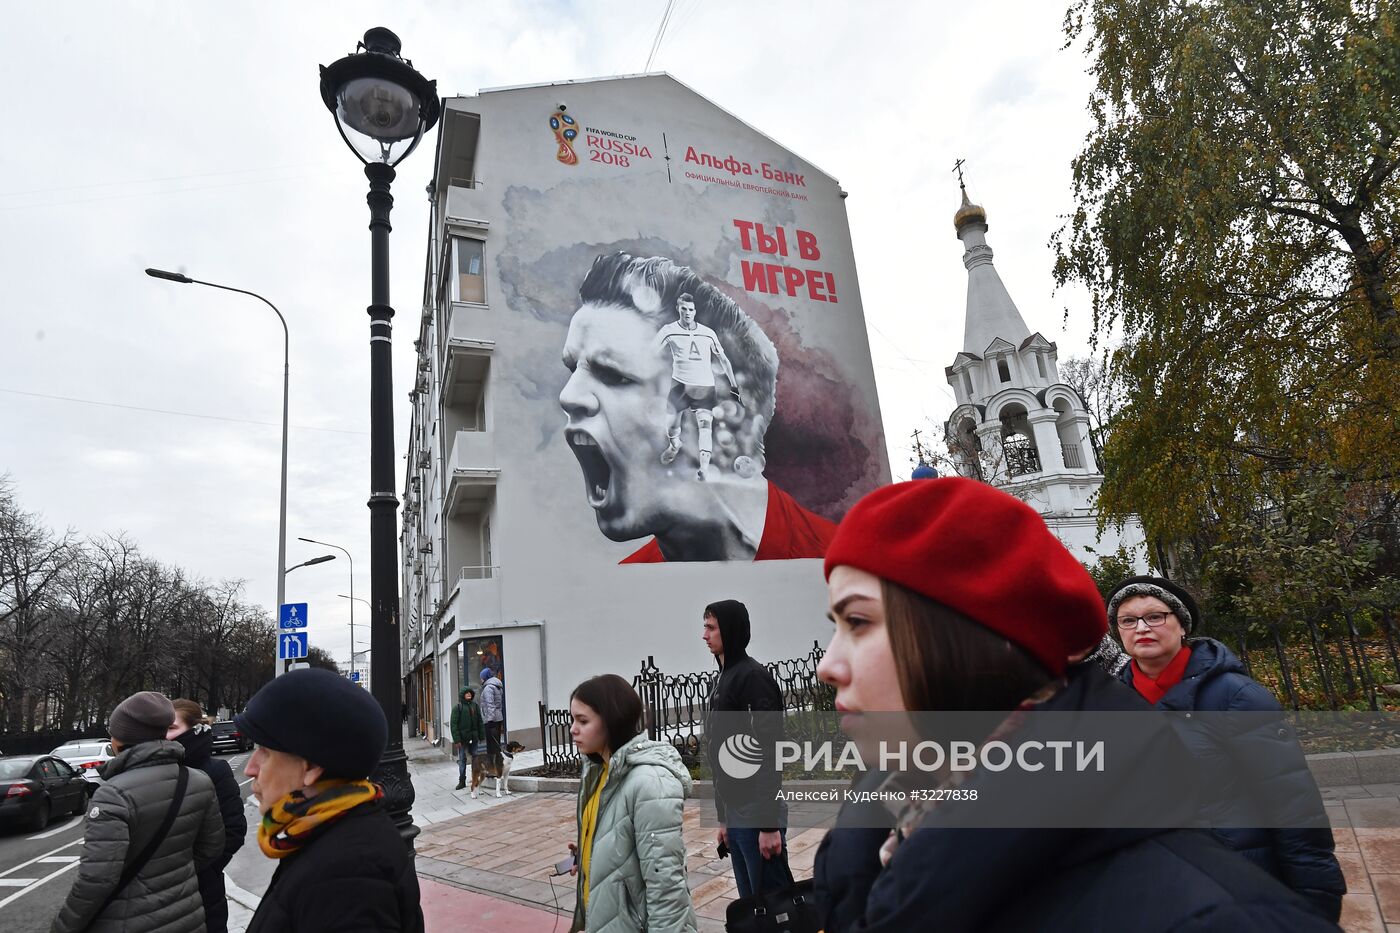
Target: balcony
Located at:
point(472, 470)
point(466, 207)
point(474, 599)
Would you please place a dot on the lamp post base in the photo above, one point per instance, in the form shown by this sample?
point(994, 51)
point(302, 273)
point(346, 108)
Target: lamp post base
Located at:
point(392, 775)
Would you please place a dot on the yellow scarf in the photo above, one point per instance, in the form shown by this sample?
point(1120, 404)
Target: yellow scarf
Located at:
point(590, 824)
point(290, 822)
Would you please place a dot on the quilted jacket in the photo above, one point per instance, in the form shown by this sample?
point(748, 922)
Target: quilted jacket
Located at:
point(637, 878)
point(124, 815)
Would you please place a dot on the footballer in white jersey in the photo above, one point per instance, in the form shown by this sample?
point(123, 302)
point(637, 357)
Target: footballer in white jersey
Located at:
point(693, 347)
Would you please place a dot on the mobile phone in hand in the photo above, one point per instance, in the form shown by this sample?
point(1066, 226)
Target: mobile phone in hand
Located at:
point(722, 850)
point(565, 865)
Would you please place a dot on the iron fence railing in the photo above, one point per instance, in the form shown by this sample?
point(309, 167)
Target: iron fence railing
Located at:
point(674, 707)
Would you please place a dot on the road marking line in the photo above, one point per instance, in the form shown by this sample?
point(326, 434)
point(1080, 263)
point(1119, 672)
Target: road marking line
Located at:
point(59, 859)
point(37, 857)
point(23, 891)
point(54, 832)
point(15, 882)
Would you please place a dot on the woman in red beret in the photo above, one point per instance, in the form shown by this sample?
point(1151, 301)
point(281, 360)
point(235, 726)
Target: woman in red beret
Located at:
point(1154, 616)
point(950, 596)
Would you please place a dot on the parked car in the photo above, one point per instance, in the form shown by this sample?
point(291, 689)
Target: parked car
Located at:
point(85, 756)
point(35, 787)
point(227, 738)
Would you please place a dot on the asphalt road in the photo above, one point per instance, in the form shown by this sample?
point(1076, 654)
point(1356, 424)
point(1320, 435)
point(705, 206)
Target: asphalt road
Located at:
point(37, 869)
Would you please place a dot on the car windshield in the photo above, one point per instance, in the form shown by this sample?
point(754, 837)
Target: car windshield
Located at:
point(12, 768)
point(225, 727)
point(74, 752)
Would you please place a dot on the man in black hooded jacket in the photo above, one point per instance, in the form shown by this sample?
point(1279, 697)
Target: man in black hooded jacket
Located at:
point(753, 821)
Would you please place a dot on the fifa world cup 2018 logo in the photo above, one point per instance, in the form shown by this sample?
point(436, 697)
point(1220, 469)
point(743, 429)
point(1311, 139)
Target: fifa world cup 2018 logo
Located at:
point(566, 131)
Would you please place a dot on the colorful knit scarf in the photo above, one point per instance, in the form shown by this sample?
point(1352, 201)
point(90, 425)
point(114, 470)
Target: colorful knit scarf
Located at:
point(291, 821)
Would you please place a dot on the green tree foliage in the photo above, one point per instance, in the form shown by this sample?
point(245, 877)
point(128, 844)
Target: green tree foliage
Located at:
point(1237, 204)
point(1108, 570)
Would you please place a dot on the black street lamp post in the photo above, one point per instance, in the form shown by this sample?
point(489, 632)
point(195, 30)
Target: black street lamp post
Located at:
point(382, 107)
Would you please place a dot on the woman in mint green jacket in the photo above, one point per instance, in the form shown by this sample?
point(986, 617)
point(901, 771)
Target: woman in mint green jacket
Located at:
point(630, 857)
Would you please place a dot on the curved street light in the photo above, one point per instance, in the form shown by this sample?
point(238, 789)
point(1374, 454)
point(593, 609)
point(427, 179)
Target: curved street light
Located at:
point(352, 590)
point(382, 107)
point(286, 380)
point(315, 560)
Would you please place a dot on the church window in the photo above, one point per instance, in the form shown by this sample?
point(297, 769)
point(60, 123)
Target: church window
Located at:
point(1003, 370)
point(967, 384)
point(1040, 364)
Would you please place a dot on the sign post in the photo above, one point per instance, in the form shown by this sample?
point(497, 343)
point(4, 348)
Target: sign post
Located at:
point(291, 621)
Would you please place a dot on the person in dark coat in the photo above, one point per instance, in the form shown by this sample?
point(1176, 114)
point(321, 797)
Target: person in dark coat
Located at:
point(1153, 616)
point(341, 863)
point(467, 730)
point(192, 732)
point(948, 595)
point(753, 822)
point(128, 810)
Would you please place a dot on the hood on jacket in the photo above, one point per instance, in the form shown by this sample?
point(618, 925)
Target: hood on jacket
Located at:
point(462, 696)
point(733, 619)
point(641, 752)
point(160, 752)
point(198, 742)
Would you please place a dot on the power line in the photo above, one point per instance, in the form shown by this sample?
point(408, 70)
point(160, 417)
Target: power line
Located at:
point(182, 414)
point(660, 31)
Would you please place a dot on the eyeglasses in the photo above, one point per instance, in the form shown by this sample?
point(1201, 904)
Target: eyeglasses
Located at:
point(1153, 619)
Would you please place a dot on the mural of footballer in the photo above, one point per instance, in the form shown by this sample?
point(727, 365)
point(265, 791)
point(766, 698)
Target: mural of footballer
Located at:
point(692, 348)
point(641, 351)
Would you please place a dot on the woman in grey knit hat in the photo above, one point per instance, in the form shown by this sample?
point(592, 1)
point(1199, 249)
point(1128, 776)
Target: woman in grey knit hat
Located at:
point(1153, 616)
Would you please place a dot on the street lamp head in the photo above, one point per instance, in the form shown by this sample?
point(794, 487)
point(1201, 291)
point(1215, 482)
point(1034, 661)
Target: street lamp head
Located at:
point(319, 560)
point(170, 276)
point(382, 105)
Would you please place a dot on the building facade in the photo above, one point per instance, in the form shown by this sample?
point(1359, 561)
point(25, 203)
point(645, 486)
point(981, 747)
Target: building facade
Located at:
point(643, 384)
point(1017, 425)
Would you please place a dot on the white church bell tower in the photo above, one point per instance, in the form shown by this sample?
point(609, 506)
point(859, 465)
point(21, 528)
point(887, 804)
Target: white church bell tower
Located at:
point(1017, 426)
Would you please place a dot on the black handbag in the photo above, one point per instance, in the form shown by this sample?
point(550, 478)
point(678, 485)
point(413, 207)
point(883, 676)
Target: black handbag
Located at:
point(789, 910)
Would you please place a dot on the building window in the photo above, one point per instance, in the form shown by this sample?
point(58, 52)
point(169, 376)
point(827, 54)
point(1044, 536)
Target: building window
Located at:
point(1040, 364)
point(967, 383)
point(471, 270)
point(1003, 370)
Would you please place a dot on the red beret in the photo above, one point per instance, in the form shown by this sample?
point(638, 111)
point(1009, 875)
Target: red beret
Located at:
point(979, 551)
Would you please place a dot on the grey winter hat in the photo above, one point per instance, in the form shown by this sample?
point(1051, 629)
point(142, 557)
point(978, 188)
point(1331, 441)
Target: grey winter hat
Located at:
point(1177, 599)
point(141, 717)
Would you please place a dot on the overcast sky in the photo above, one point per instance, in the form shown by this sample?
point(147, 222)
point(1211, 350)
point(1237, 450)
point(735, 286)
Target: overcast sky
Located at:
point(192, 137)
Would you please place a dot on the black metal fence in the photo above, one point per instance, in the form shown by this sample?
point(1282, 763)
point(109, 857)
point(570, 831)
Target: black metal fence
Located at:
point(674, 707)
point(1338, 663)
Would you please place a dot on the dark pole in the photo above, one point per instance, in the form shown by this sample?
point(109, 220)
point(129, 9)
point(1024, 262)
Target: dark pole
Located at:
point(392, 773)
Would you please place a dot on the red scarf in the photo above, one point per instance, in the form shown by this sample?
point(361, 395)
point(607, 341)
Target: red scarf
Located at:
point(1153, 689)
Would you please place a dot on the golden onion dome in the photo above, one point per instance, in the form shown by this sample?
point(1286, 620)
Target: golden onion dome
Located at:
point(968, 213)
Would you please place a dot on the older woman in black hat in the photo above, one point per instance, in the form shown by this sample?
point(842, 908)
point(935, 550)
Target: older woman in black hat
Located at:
point(341, 862)
point(1154, 616)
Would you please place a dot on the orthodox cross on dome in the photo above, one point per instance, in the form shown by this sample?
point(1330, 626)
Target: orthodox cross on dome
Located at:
point(957, 167)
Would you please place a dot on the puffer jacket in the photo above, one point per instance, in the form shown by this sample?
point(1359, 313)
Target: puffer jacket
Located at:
point(124, 816)
point(637, 877)
point(467, 725)
point(492, 700)
point(1302, 858)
